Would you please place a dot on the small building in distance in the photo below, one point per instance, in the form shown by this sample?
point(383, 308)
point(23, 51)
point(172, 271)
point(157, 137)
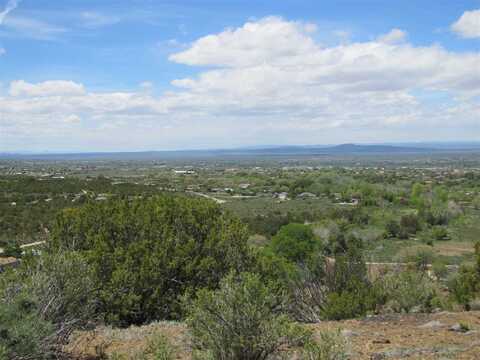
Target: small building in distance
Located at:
point(283, 196)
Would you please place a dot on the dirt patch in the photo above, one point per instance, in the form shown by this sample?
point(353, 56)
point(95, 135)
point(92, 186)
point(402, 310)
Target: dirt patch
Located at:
point(416, 336)
point(454, 248)
point(129, 342)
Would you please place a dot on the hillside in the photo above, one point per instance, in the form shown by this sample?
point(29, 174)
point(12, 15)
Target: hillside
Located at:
point(414, 336)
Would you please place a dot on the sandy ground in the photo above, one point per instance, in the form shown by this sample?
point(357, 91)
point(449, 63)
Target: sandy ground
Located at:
point(415, 336)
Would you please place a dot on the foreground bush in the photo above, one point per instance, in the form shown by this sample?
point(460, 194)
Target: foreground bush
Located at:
point(42, 302)
point(24, 334)
point(330, 346)
point(146, 254)
point(241, 321)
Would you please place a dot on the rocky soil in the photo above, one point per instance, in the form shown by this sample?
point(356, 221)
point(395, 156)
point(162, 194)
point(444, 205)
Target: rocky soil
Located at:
point(443, 335)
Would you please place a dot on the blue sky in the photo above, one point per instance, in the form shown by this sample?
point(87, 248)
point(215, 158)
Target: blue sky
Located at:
point(137, 75)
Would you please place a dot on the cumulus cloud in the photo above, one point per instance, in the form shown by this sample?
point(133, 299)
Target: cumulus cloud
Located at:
point(46, 88)
point(393, 37)
point(267, 81)
point(269, 39)
point(274, 56)
point(468, 26)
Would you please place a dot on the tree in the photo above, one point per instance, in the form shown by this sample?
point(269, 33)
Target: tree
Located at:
point(145, 254)
point(295, 242)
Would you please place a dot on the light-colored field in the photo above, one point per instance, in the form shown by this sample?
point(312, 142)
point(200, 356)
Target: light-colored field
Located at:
point(449, 248)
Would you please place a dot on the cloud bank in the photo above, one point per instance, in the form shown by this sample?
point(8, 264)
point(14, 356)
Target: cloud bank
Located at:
point(268, 81)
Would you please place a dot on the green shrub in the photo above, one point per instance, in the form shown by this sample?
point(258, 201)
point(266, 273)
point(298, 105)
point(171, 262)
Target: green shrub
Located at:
point(465, 285)
point(440, 233)
point(241, 320)
point(272, 268)
point(12, 249)
point(146, 254)
point(335, 289)
point(23, 332)
point(440, 269)
point(331, 345)
point(409, 225)
point(346, 305)
point(64, 290)
point(4, 353)
point(392, 229)
point(295, 242)
point(159, 348)
point(42, 302)
point(410, 289)
point(420, 259)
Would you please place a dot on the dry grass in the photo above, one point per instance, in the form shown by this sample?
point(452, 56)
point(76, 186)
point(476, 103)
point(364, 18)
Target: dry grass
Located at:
point(405, 332)
point(130, 342)
point(395, 335)
point(450, 248)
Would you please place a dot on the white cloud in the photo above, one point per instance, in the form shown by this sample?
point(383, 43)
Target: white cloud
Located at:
point(92, 19)
point(393, 37)
point(72, 119)
point(11, 5)
point(268, 81)
point(47, 88)
point(2, 51)
point(270, 39)
point(31, 28)
point(468, 26)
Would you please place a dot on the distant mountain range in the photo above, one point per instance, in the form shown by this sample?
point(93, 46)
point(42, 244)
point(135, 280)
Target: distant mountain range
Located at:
point(341, 149)
point(271, 150)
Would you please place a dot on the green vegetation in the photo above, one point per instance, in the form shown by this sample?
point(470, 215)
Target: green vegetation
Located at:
point(145, 254)
point(273, 247)
point(159, 348)
point(42, 303)
point(294, 242)
point(242, 320)
point(465, 286)
point(331, 346)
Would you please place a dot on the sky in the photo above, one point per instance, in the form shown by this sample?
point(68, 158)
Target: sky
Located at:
point(134, 75)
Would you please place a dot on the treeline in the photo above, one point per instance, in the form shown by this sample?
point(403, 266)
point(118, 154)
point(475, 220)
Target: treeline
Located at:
point(126, 263)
